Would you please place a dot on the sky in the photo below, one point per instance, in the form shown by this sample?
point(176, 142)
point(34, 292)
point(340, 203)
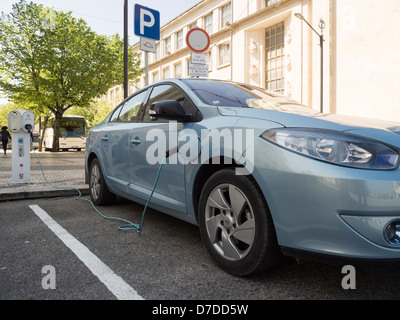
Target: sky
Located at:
point(107, 16)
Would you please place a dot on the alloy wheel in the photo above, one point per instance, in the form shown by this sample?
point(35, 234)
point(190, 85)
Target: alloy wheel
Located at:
point(95, 185)
point(230, 223)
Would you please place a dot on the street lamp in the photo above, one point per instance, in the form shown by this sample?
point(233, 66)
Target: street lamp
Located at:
point(321, 25)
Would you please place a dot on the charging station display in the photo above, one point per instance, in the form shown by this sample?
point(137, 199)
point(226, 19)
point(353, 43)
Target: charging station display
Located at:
point(21, 124)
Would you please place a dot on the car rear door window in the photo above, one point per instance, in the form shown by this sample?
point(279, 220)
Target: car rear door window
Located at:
point(131, 107)
point(114, 116)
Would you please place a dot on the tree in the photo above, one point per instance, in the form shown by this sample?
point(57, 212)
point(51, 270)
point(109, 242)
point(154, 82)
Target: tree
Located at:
point(50, 60)
point(97, 112)
point(4, 111)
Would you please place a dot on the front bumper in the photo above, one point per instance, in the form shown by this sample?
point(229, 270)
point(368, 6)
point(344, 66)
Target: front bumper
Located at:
point(326, 209)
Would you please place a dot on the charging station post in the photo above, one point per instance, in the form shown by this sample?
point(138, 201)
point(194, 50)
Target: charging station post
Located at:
point(21, 124)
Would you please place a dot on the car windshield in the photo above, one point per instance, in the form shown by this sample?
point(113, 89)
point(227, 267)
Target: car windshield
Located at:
point(231, 94)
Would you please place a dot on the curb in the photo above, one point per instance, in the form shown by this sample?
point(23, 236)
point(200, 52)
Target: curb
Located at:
point(36, 192)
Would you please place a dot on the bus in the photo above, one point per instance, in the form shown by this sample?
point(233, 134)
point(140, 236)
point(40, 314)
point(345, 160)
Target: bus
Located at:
point(72, 133)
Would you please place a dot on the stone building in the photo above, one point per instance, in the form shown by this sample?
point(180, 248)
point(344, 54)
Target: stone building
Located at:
point(275, 44)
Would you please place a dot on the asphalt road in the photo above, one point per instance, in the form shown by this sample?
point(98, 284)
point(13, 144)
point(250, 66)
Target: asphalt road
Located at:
point(166, 261)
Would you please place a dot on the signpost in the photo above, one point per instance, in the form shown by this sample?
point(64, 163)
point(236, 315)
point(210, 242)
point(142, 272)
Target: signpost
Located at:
point(147, 27)
point(147, 22)
point(198, 70)
point(198, 41)
point(198, 58)
point(147, 44)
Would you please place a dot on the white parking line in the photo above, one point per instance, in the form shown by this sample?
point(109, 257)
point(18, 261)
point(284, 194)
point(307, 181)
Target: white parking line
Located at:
point(113, 282)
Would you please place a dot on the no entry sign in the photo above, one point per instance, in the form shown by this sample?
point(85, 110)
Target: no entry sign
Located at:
point(198, 40)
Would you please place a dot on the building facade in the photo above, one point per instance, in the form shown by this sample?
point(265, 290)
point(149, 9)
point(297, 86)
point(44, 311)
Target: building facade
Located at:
point(265, 43)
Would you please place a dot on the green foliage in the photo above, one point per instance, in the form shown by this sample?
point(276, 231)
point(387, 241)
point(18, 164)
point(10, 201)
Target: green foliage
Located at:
point(4, 111)
point(97, 112)
point(52, 61)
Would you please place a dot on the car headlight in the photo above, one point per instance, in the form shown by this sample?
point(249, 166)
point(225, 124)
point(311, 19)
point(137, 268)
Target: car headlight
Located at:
point(335, 147)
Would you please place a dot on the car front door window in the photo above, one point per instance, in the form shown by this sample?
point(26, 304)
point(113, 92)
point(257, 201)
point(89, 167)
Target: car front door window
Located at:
point(160, 93)
point(170, 192)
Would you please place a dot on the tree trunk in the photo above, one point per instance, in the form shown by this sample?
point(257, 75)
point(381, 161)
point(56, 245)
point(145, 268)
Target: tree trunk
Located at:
point(57, 125)
point(43, 132)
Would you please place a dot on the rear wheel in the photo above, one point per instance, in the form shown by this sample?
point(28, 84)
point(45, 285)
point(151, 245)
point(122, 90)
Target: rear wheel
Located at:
point(99, 192)
point(235, 224)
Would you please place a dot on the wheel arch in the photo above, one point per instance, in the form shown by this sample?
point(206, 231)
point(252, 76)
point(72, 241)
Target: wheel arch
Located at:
point(89, 160)
point(206, 170)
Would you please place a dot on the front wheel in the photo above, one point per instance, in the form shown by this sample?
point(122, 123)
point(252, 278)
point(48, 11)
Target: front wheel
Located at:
point(235, 224)
point(99, 192)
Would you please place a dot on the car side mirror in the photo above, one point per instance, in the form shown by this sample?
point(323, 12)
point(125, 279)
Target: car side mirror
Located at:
point(169, 110)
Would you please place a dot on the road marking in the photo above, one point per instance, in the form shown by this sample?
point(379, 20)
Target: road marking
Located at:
point(113, 282)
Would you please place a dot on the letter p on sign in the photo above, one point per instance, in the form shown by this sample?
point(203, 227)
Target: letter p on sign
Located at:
point(147, 22)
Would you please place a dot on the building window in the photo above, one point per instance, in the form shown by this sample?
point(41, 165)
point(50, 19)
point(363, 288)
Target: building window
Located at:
point(208, 60)
point(208, 23)
point(226, 15)
point(156, 76)
point(168, 46)
point(179, 40)
point(269, 3)
point(158, 51)
point(193, 25)
point(166, 73)
point(178, 70)
point(224, 54)
point(274, 58)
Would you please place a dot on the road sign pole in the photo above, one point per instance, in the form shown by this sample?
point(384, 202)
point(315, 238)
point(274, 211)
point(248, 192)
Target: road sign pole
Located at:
point(146, 58)
point(126, 51)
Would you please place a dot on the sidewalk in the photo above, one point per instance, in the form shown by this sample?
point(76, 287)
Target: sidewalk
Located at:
point(65, 170)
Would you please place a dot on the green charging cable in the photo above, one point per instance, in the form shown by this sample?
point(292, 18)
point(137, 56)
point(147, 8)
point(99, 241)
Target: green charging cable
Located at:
point(129, 225)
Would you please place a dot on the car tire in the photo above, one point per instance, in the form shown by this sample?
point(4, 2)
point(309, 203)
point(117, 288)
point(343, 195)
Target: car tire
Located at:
point(236, 226)
point(99, 192)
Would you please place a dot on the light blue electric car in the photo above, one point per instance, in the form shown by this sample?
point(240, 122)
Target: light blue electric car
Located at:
point(261, 175)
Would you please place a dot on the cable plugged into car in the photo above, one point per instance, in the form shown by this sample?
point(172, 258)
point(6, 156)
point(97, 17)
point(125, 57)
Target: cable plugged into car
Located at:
point(129, 225)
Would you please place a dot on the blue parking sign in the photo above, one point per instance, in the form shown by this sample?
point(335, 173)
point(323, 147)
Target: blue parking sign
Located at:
point(147, 22)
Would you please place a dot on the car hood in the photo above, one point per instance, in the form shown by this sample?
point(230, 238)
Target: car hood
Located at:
point(310, 120)
point(384, 131)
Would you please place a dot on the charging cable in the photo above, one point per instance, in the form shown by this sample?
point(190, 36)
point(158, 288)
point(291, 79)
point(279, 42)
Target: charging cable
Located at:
point(129, 225)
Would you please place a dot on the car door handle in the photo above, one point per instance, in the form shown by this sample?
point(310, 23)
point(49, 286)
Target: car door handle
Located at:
point(104, 138)
point(136, 141)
